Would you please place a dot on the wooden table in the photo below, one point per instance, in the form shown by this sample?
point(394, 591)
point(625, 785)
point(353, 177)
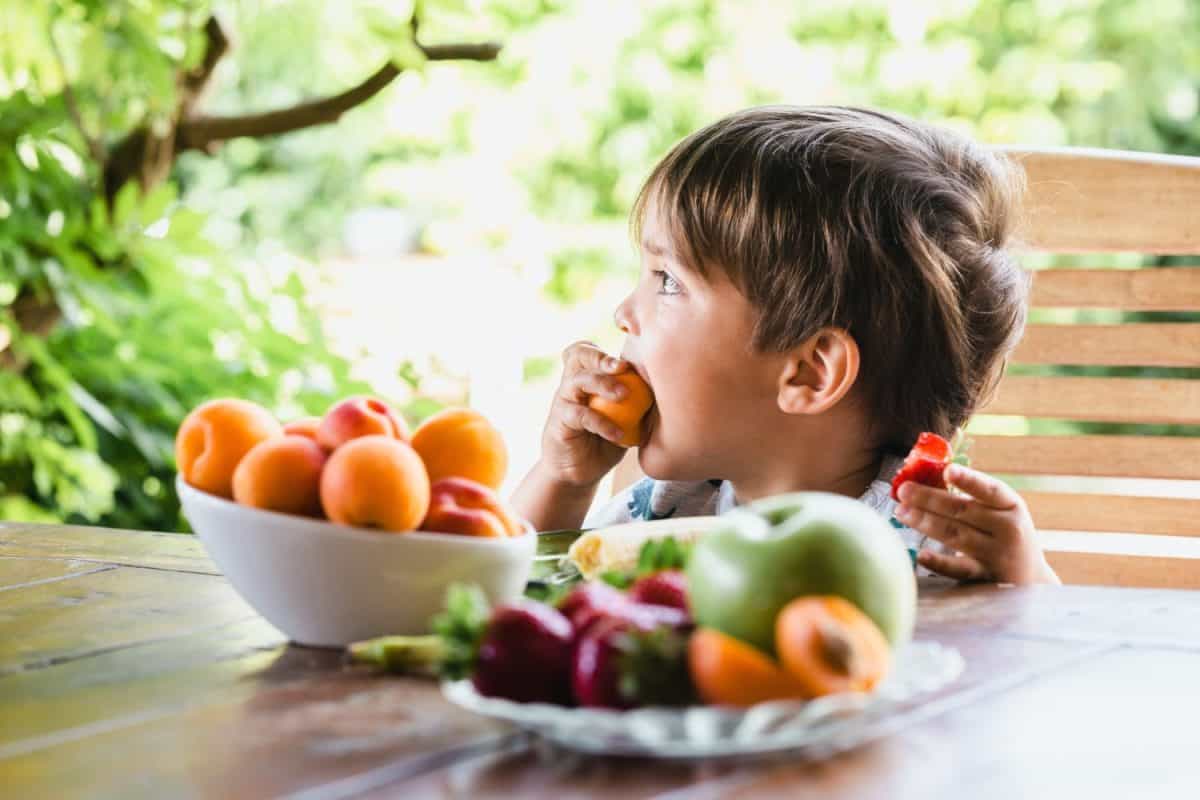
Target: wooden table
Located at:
point(129, 668)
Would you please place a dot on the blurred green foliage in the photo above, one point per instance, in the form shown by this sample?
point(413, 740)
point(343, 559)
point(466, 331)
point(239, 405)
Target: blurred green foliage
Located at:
point(202, 286)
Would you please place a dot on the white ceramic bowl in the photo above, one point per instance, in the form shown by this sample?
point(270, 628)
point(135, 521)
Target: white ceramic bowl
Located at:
point(326, 585)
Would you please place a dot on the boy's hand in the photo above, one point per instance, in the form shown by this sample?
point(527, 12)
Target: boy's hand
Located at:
point(990, 528)
point(578, 443)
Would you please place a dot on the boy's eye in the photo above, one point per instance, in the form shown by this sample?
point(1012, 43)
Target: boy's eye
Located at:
point(666, 282)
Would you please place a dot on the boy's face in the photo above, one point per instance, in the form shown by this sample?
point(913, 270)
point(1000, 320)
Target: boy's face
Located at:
point(691, 338)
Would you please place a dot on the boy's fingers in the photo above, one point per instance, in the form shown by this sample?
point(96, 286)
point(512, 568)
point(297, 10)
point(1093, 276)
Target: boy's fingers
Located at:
point(581, 418)
point(587, 357)
point(958, 567)
point(984, 488)
point(585, 384)
point(947, 504)
point(951, 532)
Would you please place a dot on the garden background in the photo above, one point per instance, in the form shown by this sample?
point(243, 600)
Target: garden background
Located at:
point(297, 200)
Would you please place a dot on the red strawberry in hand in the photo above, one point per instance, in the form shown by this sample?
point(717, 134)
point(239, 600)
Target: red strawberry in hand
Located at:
point(925, 463)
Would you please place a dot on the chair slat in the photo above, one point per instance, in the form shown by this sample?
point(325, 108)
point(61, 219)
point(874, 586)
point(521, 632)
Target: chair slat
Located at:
point(1081, 200)
point(1105, 569)
point(1145, 289)
point(1089, 456)
point(1106, 513)
point(1174, 344)
point(1138, 400)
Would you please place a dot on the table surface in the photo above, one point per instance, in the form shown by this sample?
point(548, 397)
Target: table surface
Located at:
point(130, 668)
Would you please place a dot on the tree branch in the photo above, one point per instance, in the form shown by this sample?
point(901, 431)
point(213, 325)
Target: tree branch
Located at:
point(199, 131)
point(194, 81)
point(94, 146)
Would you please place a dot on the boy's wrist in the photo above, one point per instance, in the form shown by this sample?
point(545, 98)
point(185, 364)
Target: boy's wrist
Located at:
point(553, 480)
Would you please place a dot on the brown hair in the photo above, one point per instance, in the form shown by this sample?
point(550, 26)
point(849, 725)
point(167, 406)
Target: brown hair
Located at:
point(891, 229)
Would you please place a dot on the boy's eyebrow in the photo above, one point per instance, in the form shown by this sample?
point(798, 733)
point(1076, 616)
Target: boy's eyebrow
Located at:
point(656, 248)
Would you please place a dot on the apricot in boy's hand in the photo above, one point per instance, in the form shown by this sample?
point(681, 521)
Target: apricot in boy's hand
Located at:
point(628, 412)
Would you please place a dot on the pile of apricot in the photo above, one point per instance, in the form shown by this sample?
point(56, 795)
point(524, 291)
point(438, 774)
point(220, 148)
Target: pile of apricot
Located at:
point(358, 465)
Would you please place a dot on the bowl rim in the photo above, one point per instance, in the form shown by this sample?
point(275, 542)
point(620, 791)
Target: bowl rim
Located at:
point(323, 527)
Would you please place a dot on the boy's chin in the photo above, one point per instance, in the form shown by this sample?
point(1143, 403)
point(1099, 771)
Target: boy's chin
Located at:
point(659, 465)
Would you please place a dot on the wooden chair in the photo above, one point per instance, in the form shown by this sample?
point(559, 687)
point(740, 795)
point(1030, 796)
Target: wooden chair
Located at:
point(1097, 201)
point(1087, 202)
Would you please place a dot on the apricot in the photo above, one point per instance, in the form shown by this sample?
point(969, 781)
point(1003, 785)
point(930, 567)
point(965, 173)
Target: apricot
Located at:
point(829, 645)
point(728, 672)
point(628, 412)
point(357, 416)
point(305, 426)
point(214, 436)
point(375, 481)
point(281, 474)
point(461, 505)
point(462, 443)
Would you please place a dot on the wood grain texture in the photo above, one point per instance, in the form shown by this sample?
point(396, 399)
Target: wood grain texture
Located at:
point(191, 702)
point(1078, 511)
point(1081, 200)
point(173, 551)
point(48, 623)
point(1136, 400)
point(1109, 569)
point(1141, 344)
point(1173, 457)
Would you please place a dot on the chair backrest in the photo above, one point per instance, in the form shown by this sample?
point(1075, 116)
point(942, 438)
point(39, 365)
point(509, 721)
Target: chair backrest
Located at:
point(1139, 481)
point(1115, 203)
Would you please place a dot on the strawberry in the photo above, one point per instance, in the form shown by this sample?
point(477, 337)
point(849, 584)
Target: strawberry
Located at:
point(665, 588)
point(925, 463)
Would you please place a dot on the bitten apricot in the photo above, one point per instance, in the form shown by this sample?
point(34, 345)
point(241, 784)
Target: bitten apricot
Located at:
point(375, 481)
point(214, 436)
point(828, 645)
point(360, 416)
point(628, 412)
point(728, 672)
point(282, 473)
point(462, 443)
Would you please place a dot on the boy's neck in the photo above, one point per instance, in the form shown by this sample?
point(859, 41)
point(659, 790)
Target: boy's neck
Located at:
point(824, 463)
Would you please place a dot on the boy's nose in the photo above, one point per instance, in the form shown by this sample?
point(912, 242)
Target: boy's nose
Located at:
point(623, 317)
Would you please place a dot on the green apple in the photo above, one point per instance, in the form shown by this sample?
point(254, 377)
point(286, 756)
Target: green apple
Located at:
point(807, 543)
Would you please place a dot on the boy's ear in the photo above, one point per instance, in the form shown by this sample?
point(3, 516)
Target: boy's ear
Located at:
point(819, 373)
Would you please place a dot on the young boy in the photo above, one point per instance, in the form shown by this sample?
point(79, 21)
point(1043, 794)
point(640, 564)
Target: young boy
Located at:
point(818, 286)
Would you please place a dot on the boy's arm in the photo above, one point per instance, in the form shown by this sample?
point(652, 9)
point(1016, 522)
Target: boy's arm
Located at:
point(988, 524)
point(549, 503)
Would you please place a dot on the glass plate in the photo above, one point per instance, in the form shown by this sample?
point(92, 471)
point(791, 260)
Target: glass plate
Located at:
point(818, 727)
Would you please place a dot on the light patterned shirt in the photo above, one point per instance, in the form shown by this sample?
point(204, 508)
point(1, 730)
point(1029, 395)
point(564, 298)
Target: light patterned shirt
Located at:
point(649, 499)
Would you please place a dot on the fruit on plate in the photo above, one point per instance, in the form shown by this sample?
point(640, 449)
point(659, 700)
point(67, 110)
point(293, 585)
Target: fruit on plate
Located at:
point(461, 505)
point(628, 412)
point(808, 543)
point(375, 482)
point(525, 654)
point(213, 438)
point(520, 651)
point(357, 416)
point(283, 474)
point(925, 463)
point(666, 587)
point(829, 646)
point(593, 603)
point(728, 672)
point(619, 547)
point(462, 443)
point(623, 663)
